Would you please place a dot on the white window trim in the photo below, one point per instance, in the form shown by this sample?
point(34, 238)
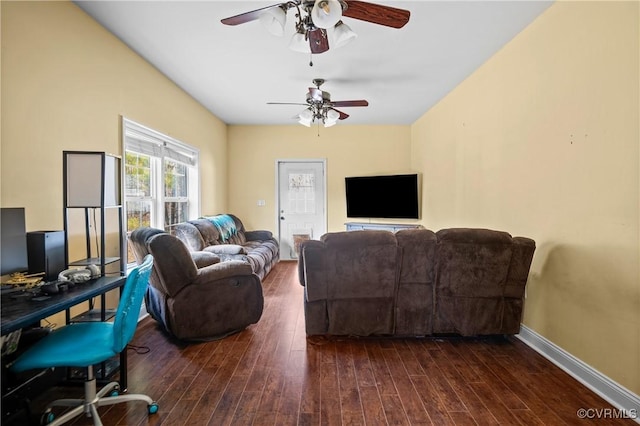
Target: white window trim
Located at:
point(139, 138)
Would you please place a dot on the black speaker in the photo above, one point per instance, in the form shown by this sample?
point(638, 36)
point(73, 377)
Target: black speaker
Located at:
point(45, 251)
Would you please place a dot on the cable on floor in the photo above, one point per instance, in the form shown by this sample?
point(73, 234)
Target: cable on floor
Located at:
point(139, 349)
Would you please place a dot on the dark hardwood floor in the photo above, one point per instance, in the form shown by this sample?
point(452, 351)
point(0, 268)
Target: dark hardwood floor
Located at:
point(271, 374)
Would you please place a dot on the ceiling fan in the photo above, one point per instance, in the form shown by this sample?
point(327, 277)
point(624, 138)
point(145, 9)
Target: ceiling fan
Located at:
point(319, 15)
point(320, 106)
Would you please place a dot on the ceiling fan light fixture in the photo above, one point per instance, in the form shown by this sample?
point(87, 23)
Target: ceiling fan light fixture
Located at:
point(299, 43)
point(342, 34)
point(326, 13)
point(274, 19)
point(306, 117)
point(333, 115)
point(331, 118)
point(307, 114)
point(305, 122)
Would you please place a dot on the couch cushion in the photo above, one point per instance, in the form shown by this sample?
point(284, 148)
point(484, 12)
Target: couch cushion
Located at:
point(418, 248)
point(226, 249)
point(190, 235)
point(208, 232)
point(177, 267)
point(473, 262)
point(361, 264)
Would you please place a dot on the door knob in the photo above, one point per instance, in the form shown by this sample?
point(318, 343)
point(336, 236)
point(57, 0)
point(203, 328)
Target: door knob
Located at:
point(281, 217)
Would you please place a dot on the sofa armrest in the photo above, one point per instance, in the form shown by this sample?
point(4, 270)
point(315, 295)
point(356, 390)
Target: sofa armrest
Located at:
point(521, 258)
point(222, 270)
point(312, 270)
point(260, 235)
point(302, 259)
point(204, 258)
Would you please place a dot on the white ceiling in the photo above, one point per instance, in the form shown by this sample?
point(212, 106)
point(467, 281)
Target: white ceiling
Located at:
point(235, 70)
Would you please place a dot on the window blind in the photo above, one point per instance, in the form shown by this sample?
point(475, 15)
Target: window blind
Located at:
point(146, 141)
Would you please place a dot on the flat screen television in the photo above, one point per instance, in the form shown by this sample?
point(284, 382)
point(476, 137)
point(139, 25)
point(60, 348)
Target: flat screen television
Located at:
point(13, 238)
point(387, 197)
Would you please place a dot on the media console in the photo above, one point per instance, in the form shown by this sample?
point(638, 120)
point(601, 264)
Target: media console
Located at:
point(393, 227)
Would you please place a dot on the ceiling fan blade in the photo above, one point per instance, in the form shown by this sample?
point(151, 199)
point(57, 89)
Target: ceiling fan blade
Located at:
point(318, 40)
point(247, 16)
point(377, 14)
point(342, 114)
point(358, 103)
point(315, 94)
point(285, 103)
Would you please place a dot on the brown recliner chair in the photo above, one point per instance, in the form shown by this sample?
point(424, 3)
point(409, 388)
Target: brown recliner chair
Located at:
point(481, 276)
point(194, 296)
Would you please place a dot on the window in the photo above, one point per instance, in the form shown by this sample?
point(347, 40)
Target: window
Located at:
point(161, 179)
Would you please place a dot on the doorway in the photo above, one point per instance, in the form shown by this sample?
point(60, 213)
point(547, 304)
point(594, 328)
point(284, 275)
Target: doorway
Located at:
point(302, 199)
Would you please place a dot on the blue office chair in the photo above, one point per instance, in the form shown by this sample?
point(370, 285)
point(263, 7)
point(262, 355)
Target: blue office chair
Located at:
point(88, 343)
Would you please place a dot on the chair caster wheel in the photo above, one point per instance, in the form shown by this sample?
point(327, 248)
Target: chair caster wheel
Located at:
point(115, 391)
point(46, 418)
point(153, 408)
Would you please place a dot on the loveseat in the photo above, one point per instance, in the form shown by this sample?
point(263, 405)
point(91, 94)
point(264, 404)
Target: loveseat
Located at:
point(415, 282)
point(193, 295)
point(226, 237)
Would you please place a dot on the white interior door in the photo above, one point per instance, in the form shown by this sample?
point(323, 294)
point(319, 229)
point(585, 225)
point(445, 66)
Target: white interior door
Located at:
point(301, 204)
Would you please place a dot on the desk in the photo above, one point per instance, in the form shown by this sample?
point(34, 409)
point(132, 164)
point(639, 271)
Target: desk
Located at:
point(23, 312)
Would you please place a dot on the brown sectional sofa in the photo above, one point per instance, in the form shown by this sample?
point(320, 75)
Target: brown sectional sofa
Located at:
point(415, 282)
point(259, 248)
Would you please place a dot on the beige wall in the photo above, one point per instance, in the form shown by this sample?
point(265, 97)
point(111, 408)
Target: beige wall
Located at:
point(542, 141)
point(348, 150)
point(66, 82)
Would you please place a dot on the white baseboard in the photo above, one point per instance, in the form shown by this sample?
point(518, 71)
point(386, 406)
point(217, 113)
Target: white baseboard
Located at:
point(618, 396)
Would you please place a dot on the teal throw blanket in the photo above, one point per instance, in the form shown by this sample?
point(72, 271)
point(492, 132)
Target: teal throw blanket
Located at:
point(225, 225)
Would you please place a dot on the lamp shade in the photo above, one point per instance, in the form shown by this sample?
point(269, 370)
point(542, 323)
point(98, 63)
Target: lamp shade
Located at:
point(274, 19)
point(92, 179)
point(342, 34)
point(331, 118)
point(333, 115)
point(298, 43)
point(306, 117)
point(326, 13)
point(304, 122)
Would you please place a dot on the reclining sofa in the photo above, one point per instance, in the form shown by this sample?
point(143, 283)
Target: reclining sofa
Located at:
point(415, 282)
point(193, 295)
point(225, 236)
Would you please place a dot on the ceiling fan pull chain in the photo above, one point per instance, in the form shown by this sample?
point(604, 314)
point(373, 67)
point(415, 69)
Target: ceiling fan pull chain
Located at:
point(310, 59)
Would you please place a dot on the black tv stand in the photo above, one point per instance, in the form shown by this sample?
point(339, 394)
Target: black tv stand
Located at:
point(393, 227)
